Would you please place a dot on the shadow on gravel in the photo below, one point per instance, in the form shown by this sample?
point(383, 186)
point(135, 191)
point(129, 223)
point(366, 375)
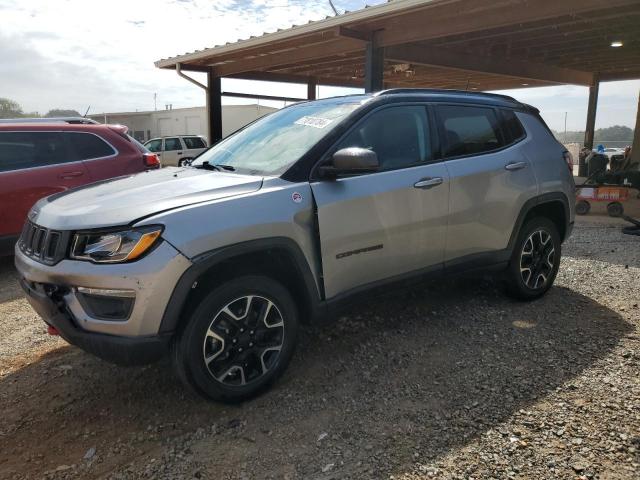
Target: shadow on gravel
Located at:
point(421, 372)
point(9, 288)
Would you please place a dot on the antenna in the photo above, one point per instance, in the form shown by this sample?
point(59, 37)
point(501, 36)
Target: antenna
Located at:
point(85, 113)
point(333, 7)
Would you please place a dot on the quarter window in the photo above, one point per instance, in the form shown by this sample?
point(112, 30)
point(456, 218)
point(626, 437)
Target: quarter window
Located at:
point(20, 150)
point(154, 145)
point(468, 130)
point(398, 135)
point(172, 144)
point(88, 146)
point(194, 142)
point(511, 127)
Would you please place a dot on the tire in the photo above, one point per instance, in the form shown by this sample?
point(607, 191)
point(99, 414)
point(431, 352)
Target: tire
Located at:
point(246, 329)
point(615, 209)
point(583, 207)
point(529, 276)
point(185, 162)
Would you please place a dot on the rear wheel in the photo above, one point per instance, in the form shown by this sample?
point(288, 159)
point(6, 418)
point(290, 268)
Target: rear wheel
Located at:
point(535, 260)
point(583, 207)
point(185, 162)
point(239, 340)
point(615, 209)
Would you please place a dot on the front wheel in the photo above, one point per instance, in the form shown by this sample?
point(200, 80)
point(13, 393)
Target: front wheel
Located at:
point(239, 340)
point(535, 260)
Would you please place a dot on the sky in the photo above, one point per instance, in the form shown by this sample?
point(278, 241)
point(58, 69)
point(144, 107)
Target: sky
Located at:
point(83, 54)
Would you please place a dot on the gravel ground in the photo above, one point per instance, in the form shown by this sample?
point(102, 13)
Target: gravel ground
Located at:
point(447, 380)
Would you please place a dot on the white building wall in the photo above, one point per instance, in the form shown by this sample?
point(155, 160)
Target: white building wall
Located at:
point(183, 121)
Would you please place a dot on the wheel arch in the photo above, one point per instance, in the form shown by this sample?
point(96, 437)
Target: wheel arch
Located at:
point(279, 258)
point(554, 206)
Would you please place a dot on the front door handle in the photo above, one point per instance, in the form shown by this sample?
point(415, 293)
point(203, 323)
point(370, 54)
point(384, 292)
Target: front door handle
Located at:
point(515, 166)
point(69, 175)
point(428, 182)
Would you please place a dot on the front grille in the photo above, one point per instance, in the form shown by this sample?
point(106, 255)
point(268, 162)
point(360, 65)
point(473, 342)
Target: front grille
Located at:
point(42, 244)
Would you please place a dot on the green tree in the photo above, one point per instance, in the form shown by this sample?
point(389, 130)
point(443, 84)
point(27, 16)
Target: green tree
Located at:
point(61, 112)
point(616, 133)
point(10, 108)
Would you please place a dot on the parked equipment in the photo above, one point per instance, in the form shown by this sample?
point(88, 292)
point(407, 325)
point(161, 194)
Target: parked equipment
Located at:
point(614, 195)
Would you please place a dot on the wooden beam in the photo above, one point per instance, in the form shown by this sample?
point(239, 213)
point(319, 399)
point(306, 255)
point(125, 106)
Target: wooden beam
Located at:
point(591, 113)
point(373, 66)
point(617, 76)
point(508, 67)
point(293, 78)
point(447, 18)
point(302, 54)
point(262, 97)
point(214, 107)
point(311, 89)
point(351, 33)
point(635, 149)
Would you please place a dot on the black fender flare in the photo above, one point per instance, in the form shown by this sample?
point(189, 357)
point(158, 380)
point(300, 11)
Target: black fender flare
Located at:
point(205, 261)
point(535, 202)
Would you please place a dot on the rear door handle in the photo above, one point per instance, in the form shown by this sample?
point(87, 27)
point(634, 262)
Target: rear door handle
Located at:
point(68, 175)
point(515, 166)
point(428, 182)
point(179, 153)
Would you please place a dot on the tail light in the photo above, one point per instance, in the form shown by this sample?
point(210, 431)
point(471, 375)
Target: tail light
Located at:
point(569, 159)
point(151, 160)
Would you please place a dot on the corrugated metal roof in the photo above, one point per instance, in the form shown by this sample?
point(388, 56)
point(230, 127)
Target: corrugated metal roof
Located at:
point(312, 26)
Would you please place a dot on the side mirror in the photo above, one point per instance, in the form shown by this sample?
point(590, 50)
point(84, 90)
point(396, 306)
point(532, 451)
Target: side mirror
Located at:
point(351, 161)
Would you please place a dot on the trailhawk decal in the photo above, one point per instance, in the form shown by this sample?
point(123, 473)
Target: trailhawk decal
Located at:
point(359, 250)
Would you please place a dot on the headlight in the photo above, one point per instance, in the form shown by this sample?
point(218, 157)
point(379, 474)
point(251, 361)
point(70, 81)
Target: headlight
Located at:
point(114, 247)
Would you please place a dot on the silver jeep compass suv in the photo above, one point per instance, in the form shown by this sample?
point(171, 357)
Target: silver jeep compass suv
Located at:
point(217, 263)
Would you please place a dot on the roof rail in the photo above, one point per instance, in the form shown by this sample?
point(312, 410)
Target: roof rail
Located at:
point(397, 91)
point(71, 120)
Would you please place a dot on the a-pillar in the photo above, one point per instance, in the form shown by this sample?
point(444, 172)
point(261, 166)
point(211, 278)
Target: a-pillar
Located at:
point(214, 107)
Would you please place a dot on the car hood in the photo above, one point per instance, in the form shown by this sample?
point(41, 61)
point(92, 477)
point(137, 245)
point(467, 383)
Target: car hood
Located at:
point(124, 200)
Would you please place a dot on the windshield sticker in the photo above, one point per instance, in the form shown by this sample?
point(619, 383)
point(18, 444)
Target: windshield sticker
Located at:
point(296, 197)
point(315, 122)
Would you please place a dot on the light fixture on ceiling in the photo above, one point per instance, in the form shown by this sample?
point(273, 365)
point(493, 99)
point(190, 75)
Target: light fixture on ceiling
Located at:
point(616, 44)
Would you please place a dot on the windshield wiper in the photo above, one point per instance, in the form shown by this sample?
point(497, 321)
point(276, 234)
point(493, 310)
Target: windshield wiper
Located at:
point(217, 167)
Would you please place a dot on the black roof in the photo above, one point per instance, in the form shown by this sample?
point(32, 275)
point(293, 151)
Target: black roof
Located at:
point(455, 96)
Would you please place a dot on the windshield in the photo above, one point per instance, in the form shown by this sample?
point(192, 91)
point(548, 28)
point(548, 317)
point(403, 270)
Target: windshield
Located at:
point(274, 143)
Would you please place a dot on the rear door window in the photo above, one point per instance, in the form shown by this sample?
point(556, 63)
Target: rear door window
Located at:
point(20, 150)
point(88, 146)
point(194, 142)
point(172, 144)
point(469, 130)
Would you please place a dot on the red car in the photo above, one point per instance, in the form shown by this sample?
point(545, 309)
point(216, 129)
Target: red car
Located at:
point(38, 159)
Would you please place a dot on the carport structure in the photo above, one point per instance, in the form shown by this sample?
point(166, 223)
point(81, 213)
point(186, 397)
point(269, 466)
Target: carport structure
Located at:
point(455, 44)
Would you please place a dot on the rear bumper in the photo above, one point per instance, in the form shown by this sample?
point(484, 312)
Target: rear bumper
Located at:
point(116, 349)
